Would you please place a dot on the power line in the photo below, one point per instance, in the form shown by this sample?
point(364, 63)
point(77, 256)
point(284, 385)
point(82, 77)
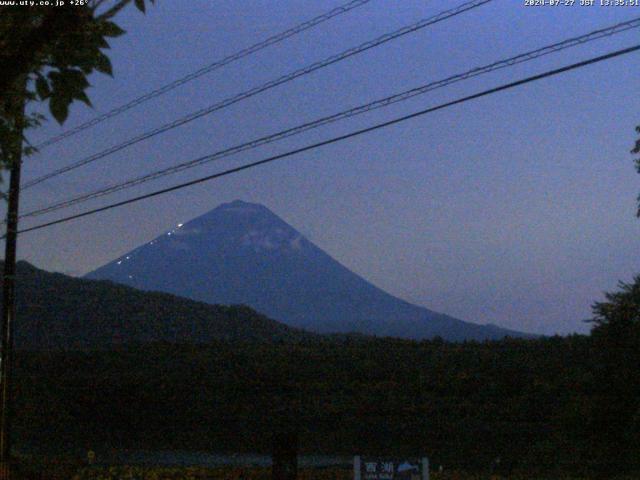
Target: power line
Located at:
point(205, 70)
point(340, 138)
point(531, 55)
point(267, 86)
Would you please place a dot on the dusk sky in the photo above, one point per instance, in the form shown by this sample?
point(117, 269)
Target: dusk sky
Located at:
point(516, 209)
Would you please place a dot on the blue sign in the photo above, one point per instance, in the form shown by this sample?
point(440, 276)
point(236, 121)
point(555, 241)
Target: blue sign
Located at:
point(390, 469)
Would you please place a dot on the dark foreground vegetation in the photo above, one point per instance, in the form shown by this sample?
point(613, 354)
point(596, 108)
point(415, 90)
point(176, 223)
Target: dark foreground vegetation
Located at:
point(129, 472)
point(104, 367)
point(546, 405)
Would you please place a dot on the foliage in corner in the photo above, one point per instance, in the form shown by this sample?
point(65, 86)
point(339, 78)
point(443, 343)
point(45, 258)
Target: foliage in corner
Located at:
point(615, 419)
point(47, 54)
point(622, 308)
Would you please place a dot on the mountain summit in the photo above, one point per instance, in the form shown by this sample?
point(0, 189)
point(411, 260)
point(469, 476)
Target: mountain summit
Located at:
point(242, 253)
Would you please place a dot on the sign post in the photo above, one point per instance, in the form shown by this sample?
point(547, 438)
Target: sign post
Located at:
point(378, 468)
point(425, 468)
point(356, 467)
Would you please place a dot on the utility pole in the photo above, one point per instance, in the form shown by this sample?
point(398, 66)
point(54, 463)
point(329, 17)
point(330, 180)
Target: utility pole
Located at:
point(13, 156)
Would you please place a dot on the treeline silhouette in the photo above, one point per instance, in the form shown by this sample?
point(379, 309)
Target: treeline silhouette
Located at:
point(537, 404)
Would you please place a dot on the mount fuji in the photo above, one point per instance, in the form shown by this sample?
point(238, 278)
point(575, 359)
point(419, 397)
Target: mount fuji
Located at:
point(242, 253)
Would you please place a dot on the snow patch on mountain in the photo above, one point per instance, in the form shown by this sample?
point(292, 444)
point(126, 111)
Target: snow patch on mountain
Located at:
point(270, 239)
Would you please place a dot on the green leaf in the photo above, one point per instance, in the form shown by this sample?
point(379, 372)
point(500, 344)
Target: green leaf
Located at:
point(87, 68)
point(103, 64)
point(140, 5)
point(70, 82)
point(102, 43)
point(110, 29)
point(42, 87)
point(83, 98)
point(59, 107)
